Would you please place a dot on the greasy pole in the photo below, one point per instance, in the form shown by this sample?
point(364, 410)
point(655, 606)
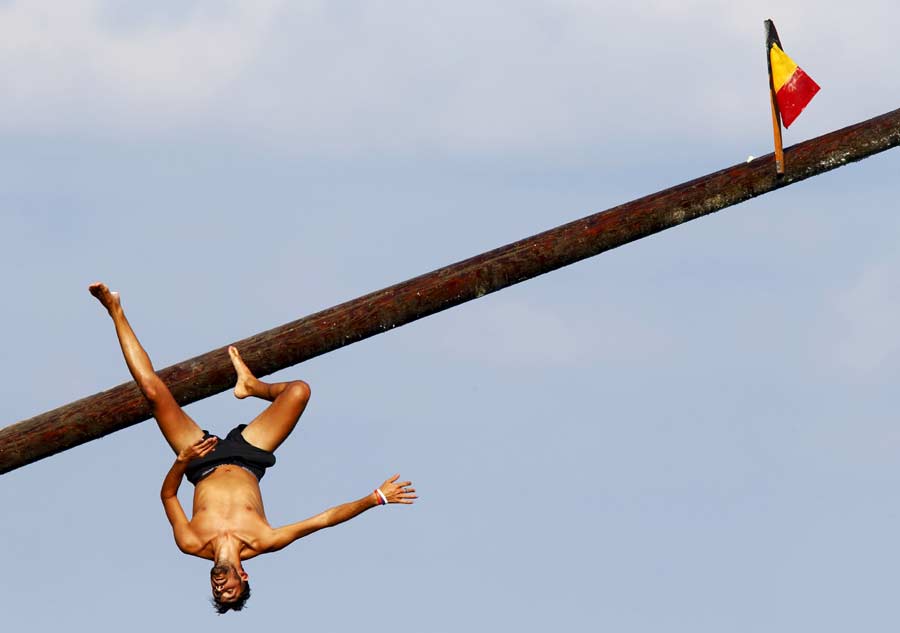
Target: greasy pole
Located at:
point(273, 350)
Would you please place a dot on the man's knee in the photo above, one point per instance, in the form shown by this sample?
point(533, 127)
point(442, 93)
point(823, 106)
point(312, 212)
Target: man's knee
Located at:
point(152, 388)
point(298, 390)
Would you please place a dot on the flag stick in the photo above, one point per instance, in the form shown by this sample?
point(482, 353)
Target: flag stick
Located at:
point(776, 129)
point(772, 37)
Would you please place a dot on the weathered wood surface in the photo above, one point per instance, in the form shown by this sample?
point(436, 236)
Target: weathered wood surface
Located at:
point(265, 353)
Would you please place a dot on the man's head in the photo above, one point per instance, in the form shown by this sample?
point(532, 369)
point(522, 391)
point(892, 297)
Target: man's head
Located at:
point(230, 587)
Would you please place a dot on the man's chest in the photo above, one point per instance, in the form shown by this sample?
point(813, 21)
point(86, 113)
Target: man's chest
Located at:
point(249, 528)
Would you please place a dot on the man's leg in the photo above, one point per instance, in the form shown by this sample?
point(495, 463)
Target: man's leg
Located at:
point(177, 427)
point(271, 427)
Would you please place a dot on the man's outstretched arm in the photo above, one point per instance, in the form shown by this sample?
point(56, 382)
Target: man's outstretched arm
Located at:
point(393, 493)
point(184, 536)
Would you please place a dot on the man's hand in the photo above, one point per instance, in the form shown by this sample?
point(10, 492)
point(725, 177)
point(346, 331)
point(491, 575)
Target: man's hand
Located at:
point(398, 492)
point(198, 450)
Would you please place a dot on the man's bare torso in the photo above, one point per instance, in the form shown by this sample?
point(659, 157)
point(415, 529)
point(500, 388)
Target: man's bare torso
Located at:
point(228, 502)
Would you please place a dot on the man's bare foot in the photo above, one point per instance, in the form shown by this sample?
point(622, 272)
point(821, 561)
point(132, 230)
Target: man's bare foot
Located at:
point(105, 296)
point(245, 380)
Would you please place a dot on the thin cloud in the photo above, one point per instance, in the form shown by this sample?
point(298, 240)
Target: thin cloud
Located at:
point(410, 77)
point(523, 335)
point(68, 66)
point(868, 311)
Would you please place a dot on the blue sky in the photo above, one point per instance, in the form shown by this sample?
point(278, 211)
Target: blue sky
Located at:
point(694, 432)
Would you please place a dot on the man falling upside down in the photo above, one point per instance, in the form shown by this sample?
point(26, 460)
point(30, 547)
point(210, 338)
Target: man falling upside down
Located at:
point(229, 524)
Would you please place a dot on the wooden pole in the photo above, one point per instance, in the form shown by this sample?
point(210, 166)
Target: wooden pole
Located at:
point(212, 373)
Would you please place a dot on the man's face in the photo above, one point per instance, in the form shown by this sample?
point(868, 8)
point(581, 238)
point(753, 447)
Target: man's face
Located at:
point(227, 585)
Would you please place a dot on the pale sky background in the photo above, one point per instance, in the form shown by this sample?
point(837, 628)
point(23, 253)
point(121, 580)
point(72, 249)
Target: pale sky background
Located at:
point(696, 432)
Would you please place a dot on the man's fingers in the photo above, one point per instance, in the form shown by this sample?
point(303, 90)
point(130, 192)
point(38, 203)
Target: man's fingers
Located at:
point(399, 492)
point(203, 447)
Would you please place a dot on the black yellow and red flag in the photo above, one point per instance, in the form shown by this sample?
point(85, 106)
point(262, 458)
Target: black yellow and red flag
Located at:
point(790, 88)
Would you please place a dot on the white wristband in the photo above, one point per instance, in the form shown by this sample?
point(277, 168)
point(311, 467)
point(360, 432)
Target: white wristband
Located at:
point(381, 494)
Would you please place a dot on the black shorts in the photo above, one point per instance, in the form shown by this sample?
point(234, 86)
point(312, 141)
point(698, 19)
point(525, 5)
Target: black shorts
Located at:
point(234, 449)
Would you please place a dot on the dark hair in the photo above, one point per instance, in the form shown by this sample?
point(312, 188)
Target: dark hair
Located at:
point(237, 605)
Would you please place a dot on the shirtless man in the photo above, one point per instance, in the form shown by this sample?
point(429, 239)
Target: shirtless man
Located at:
point(229, 523)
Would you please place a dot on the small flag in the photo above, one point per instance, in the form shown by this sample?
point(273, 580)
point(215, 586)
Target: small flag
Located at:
point(790, 90)
point(793, 88)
